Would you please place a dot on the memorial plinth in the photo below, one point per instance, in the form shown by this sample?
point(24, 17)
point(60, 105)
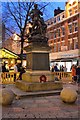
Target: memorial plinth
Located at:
point(37, 76)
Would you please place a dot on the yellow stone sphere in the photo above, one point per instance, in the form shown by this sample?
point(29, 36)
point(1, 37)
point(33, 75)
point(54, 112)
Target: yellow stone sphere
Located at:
point(6, 96)
point(68, 95)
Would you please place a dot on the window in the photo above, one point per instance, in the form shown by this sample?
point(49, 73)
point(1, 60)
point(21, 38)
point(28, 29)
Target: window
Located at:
point(58, 31)
point(63, 43)
point(75, 9)
point(70, 12)
point(51, 43)
point(63, 16)
point(70, 44)
point(54, 20)
point(75, 26)
point(54, 47)
point(75, 43)
point(63, 31)
point(62, 46)
point(59, 48)
point(48, 35)
point(70, 28)
point(58, 18)
point(55, 34)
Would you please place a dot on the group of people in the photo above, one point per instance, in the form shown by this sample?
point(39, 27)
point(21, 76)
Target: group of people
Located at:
point(75, 73)
point(55, 68)
point(17, 67)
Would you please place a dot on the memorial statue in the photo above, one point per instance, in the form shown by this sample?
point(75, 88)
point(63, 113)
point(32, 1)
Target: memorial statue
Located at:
point(38, 24)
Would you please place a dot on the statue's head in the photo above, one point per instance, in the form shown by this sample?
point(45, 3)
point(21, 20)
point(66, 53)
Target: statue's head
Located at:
point(35, 6)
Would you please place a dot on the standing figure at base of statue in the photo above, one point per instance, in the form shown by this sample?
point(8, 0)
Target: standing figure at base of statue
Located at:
point(38, 24)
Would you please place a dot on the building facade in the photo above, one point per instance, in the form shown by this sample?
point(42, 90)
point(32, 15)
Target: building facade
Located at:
point(63, 33)
point(12, 44)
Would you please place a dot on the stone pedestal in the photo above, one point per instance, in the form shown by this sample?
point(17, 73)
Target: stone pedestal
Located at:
point(36, 86)
point(34, 76)
point(38, 76)
point(37, 56)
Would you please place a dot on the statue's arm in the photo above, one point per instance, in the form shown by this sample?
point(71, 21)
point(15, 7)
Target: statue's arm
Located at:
point(41, 13)
point(31, 12)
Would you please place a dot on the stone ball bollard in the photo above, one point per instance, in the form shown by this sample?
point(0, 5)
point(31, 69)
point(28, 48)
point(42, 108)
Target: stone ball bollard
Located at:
point(6, 96)
point(68, 95)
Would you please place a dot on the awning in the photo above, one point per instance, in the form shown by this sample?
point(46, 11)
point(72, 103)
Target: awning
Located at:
point(5, 53)
point(65, 59)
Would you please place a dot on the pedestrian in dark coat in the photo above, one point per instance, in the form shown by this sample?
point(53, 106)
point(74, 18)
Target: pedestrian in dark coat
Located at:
point(4, 67)
point(21, 69)
point(56, 68)
point(78, 74)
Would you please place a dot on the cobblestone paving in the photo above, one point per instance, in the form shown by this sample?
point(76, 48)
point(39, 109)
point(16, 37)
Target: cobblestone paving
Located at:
point(41, 107)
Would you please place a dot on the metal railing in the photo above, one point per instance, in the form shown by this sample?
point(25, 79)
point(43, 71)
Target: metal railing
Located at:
point(8, 77)
point(63, 76)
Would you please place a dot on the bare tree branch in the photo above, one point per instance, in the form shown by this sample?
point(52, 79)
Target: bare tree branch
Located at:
point(17, 17)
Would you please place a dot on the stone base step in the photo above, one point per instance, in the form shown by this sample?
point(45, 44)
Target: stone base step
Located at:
point(21, 94)
point(36, 86)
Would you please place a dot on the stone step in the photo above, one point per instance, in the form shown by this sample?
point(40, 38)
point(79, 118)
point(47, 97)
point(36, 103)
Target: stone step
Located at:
point(38, 86)
point(21, 94)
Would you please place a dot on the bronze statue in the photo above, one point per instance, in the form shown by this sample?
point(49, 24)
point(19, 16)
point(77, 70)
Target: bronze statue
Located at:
point(38, 24)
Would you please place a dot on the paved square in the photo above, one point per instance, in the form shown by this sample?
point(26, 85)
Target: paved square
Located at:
point(42, 107)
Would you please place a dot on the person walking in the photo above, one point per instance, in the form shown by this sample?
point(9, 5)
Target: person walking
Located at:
point(4, 67)
point(15, 71)
point(52, 68)
point(78, 74)
point(21, 69)
point(56, 68)
point(65, 69)
point(74, 78)
point(62, 68)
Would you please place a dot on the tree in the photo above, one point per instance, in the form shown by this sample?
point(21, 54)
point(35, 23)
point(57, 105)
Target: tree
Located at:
point(16, 16)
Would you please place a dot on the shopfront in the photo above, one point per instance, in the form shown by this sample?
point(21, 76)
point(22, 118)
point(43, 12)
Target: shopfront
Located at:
point(8, 57)
point(66, 58)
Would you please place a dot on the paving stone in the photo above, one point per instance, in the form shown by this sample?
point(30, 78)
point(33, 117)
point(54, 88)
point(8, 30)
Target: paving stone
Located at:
point(41, 107)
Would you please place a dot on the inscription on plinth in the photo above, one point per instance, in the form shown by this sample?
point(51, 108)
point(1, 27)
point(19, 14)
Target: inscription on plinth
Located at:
point(38, 61)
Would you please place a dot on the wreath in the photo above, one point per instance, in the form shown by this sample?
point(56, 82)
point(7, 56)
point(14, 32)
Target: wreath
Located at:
point(43, 78)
